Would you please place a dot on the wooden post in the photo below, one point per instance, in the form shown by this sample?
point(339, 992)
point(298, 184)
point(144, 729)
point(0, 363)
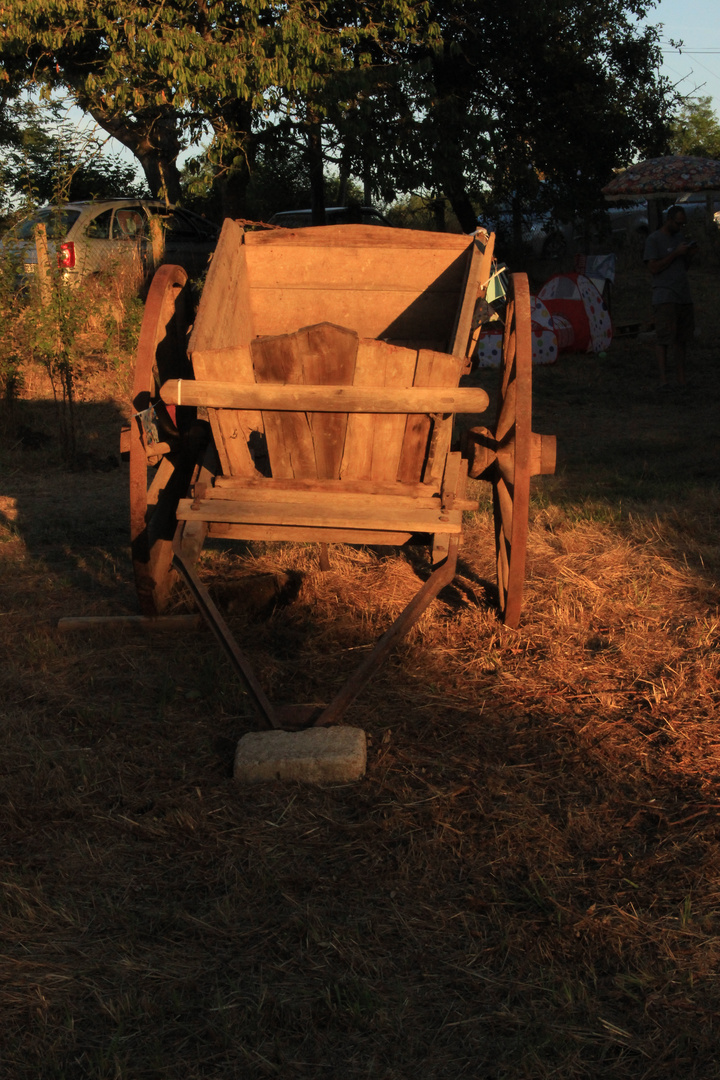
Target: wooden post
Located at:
point(157, 241)
point(43, 262)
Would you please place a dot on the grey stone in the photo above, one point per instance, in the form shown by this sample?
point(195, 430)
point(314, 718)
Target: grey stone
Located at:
point(317, 755)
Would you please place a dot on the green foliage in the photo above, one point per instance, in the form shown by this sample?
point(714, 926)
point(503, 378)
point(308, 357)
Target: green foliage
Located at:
point(447, 97)
point(156, 75)
point(696, 130)
point(46, 159)
point(51, 323)
point(527, 101)
point(11, 335)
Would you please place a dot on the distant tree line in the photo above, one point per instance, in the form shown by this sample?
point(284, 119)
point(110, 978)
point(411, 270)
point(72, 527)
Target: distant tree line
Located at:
point(470, 102)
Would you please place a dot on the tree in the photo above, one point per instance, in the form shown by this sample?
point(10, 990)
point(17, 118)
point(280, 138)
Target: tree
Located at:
point(696, 129)
point(528, 101)
point(155, 73)
point(452, 97)
point(46, 159)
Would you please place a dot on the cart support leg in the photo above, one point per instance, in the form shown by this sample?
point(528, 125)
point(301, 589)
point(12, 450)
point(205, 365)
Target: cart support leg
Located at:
point(437, 581)
point(222, 632)
point(292, 717)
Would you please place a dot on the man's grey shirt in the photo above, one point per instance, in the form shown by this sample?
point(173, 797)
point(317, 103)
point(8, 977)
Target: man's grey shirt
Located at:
point(671, 285)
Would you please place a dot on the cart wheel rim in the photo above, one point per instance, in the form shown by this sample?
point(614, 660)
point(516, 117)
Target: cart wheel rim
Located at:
point(513, 432)
point(154, 492)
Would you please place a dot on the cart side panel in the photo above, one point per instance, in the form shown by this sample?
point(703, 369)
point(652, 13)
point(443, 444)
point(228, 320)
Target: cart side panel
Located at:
point(393, 284)
point(223, 327)
point(328, 354)
point(373, 443)
point(427, 439)
point(306, 445)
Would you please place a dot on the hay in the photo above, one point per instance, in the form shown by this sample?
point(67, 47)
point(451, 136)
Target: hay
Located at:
point(525, 883)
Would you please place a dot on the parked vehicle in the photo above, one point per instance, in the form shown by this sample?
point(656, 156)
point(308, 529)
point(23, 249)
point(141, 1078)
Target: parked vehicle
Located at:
point(695, 206)
point(334, 215)
point(90, 237)
point(628, 220)
point(540, 234)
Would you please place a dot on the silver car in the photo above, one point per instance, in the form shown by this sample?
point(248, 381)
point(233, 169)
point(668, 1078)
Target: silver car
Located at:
point(334, 215)
point(90, 237)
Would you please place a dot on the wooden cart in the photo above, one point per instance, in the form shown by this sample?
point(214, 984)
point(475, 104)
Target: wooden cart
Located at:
point(313, 401)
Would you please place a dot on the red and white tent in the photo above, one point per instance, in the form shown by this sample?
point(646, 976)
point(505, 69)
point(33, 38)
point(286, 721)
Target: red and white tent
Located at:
point(574, 299)
point(544, 338)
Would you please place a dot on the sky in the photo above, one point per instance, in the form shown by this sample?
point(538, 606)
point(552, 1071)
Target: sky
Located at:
point(696, 69)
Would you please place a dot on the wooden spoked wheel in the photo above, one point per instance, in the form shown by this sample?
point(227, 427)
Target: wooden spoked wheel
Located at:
point(159, 471)
point(508, 456)
point(514, 444)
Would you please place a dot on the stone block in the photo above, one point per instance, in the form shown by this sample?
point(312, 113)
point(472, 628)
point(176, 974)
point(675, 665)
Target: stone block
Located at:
point(333, 755)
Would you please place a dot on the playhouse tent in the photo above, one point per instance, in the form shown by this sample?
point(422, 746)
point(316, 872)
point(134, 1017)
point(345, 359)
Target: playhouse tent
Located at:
point(544, 336)
point(573, 298)
point(544, 339)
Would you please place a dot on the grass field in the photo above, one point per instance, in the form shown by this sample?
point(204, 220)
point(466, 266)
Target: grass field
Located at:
point(527, 882)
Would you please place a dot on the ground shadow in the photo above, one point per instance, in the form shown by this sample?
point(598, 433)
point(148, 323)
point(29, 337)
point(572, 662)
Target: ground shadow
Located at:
point(75, 519)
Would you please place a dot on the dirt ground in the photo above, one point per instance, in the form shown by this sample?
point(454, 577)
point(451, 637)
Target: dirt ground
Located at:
point(526, 884)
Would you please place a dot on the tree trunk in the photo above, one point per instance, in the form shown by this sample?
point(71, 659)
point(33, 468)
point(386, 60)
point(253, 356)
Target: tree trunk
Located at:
point(161, 173)
point(234, 156)
point(462, 207)
point(233, 193)
point(317, 173)
point(154, 140)
point(517, 222)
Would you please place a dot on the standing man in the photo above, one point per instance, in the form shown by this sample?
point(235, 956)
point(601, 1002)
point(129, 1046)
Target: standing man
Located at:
point(667, 255)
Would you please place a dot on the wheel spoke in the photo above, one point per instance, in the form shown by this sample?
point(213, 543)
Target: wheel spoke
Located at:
point(505, 504)
point(512, 484)
point(160, 481)
point(506, 419)
point(508, 345)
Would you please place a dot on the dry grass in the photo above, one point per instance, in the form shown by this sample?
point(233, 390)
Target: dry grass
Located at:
point(527, 882)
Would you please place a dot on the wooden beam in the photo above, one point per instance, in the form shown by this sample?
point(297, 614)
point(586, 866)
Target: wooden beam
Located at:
point(277, 397)
point(354, 513)
point(230, 487)
point(138, 622)
point(311, 494)
point(223, 531)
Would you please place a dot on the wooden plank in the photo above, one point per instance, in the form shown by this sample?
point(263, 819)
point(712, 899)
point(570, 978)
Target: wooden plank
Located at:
point(223, 318)
point(327, 355)
point(225, 531)
point(468, 299)
point(311, 496)
point(224, 322)
point(234, 431)
point(455, 479)
point(356, 464)
point(451, 480)
point(233, 487)
point(394, 397)
point(383, 291)
point(358, 514)
point(365, 432)
point(433, 370)
point(141, 622)
point(358, 270)
point(412, 315)
point(289, 439)
point(484, 275)
point(388, 431)
point(370, 236)
point(271, 489)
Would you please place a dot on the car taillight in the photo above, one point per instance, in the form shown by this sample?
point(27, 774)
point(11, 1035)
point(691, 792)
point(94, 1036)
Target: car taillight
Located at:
point(66, 256)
